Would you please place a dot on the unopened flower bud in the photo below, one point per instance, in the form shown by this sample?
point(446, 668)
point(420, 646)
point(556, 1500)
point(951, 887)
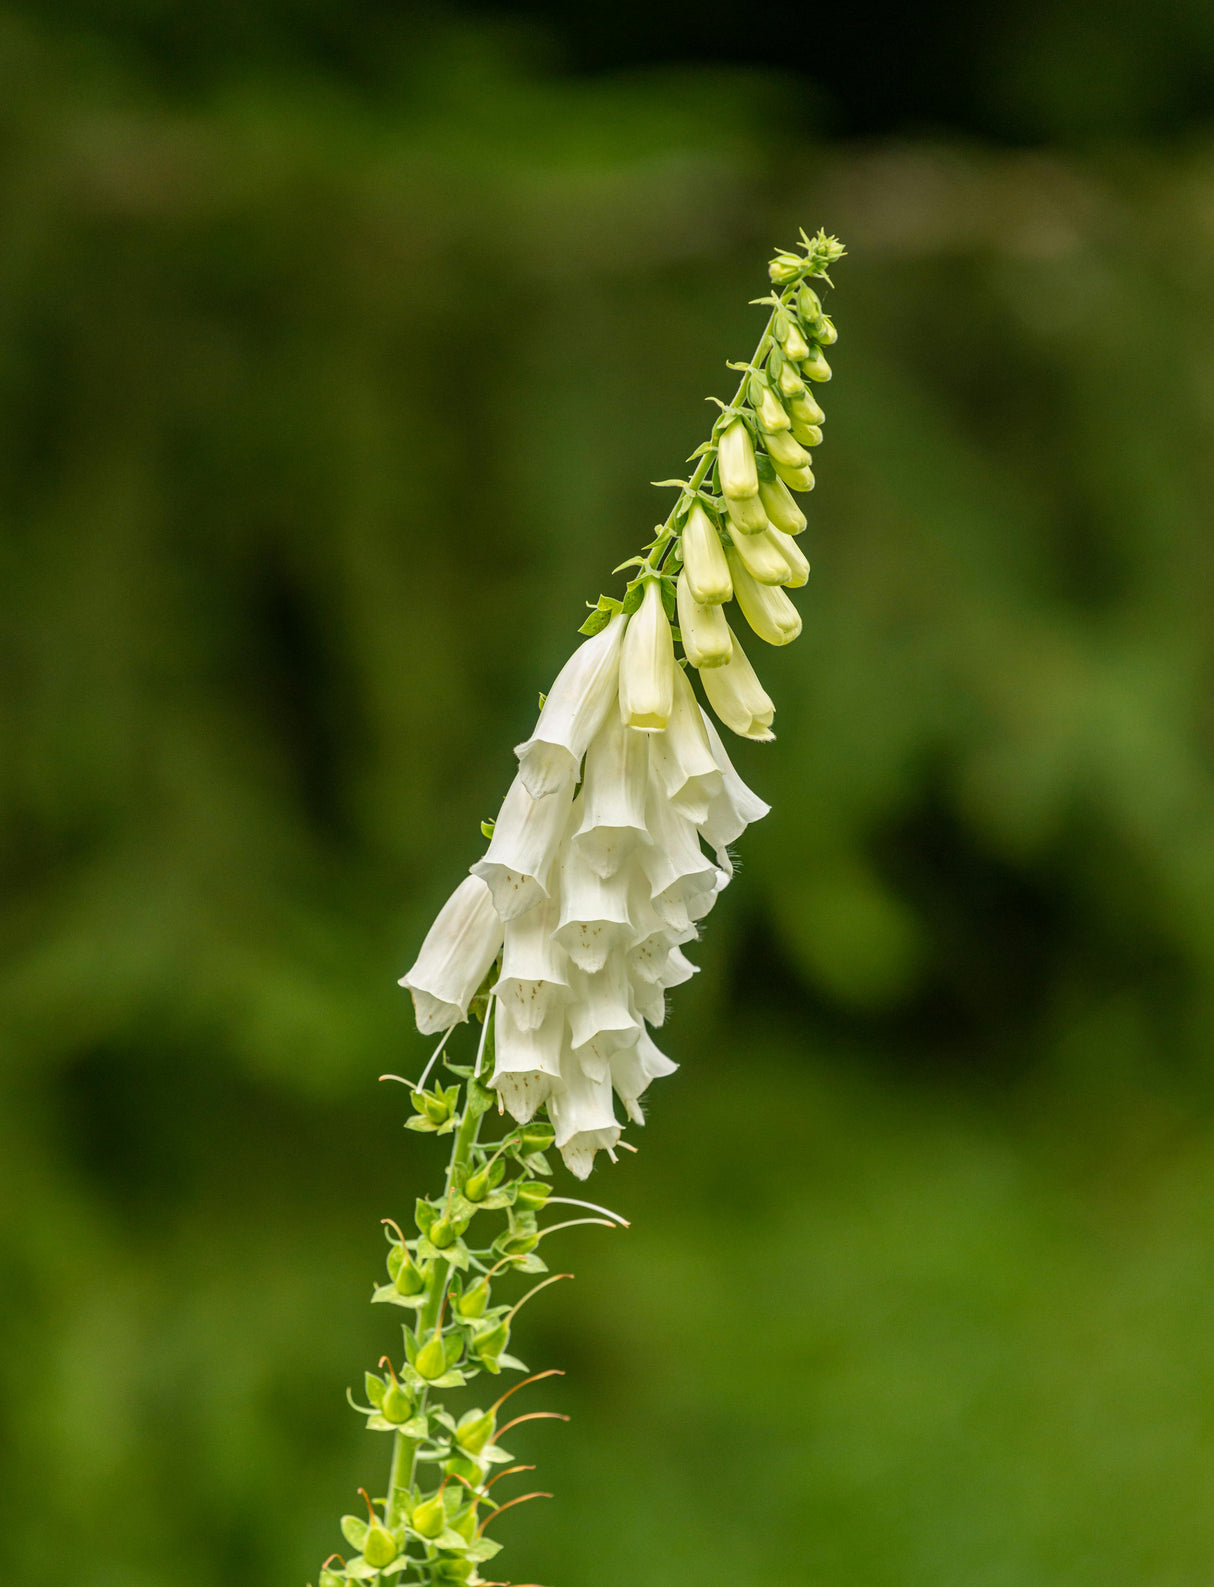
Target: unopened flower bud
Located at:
point(379, 1546)
point(471, 1304)
point(814, 366)
point(804, 410)
point(738, 698)
point(795, 478)
point(785, 267)
point(793, 344)
point(704, 562)
point(761, 557)
point(769, 410)
point(428, 1519)
point(647, 665)
point(746, 514)
point(809, 305)
point(766, 608)
point(826, 332)
point(780, 507)
point(807, 434)
point(798, 565)
point(785, 451)
point(789, 382)
point(704, 629)
point(431, 1360)
point(736, 462)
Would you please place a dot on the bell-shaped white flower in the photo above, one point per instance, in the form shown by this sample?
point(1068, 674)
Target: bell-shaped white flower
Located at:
point(647, 664)
point(649, 1000)
point(455, 957)
point(682, 879)
point(527, 1061)
point(660, 959)
point(583, 1116)
point(766, 607)
point(737, 806)
point(632, 1068)
point(518, 862)
point(572, 713)
point(704, 560)
point(613, 796)
point(738, 698)
point(705, 634)
point(682, 761)
point(601, 1014)
point(781, 507)
point(798, 562)
point(594, 917)
point(533, 979)
point(759, 555)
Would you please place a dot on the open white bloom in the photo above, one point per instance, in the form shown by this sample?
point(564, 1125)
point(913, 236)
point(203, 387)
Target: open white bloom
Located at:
point(632, 1068)
point(455, 957)
point(682, 879)
point(737, 806)
point(683, 764)
point(583, 1116)
point(518, 861)
point(738, 698)
point(593, 910)
point(533, 979)
point(602, 1017)
point(647, 664)
point(572, 713)
point(613, 796)
point(527, 1061)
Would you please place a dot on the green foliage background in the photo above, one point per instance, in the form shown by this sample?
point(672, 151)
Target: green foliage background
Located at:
point(323, 412)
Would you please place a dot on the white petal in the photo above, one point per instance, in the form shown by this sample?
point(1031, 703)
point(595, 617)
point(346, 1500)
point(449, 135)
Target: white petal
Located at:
point(684, 766)
point(613, 794)
point(519, 858)
point(632, 1068)
point(583, 1116)
point(677, 868)
point(593, 911)
point(601, 1015)
point(572, 713)
point(533, 978)
point(527, 1061)
point(455, 957)
point(737, 805)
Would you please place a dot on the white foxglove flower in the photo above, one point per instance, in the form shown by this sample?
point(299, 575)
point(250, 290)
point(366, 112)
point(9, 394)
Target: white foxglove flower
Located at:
point(455, 957)
point(572, 713)
point(601, 1015)
point(781, 507)
point(798, 563)
point(738, 698)
point(583, 1116)
point(683, 764)
point(518, 861)
point(533, 979)
point(759, 555)
point(660, 959)
point(682, 879)
point(647, 664)
point(593, 910)
point(613, 796)
point(704, 560)
point(632, 1068)
point(527, 1061)
point(737, 805)
point(677, 969)
point(766, 607)
point(706, 641)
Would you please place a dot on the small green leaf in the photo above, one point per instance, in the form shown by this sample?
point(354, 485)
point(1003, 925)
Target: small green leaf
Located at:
point(376, 1389)
point(512, 1362)
point(452, 1380)
point(354, 1529)
point(421, 1124)
point(661, 484)
point(390, 1294)
point(483, 1549)
point(487, 828)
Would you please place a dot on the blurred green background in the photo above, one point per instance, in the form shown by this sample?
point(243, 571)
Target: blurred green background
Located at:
point(337, 345)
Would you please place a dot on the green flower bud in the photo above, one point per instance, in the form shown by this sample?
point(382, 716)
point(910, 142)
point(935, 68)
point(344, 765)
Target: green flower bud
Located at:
point(804, 410)
point(705, 632)
point(746, 515)
point(379, 1547)
point(780, 507)
point(789, 382)
point(782, 449)
point(537, 1137)
point(794, 345)
point(809, 305)
point(814, 366)
point(769, 411)
point(798, 566)
point(476, 1186)
point(431, 1359)
point(759, 556)
point(807, 434)
point(795, 478)
point(704, 561)
point(531, 1194)
point(429, 1518)
point(826, 332)
point(473, 1301)
point(736, 462)
point(406, 1276)
point(474, 1430)
point(766, 608)
point(785, 267)
point(397, 1406)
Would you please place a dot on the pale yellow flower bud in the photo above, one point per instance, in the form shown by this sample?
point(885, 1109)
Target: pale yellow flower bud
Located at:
point(760, 556)
point(798, 565)
point(783, 449)
point(794, 345)
point(825, 332)
point(807, 434)
point(804, 410)
point(736, 462)
point(746, 515)
point(765, 607)
point(780, 507)
point(704, 629)
point(704, 560)
point(795, 478)
point(815, 367)
point(738, 698)
point(769, 411)
point(789, 382)
point(647, 665)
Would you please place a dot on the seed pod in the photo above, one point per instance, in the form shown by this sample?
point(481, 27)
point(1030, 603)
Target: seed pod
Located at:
point(814, 366)
point(704, 565)
point(397, 1406)
point(474, 1430)
point(379, 1546)
point(331, 1578)
point(531, 1194)
point(537, 1137)
point(705, 632)
point(407, 1278)
point(487, 1346)
point(431, 1359)
point(473, 1301)
point(780, 507)
point(736, 462)
point(429, 1518)
point(784, 450)
point(798, 565)
point(760, 556)
point(794, 344)
point(766, 608)
point(803, 409)
point(476, 1186)
point(442, 1233)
